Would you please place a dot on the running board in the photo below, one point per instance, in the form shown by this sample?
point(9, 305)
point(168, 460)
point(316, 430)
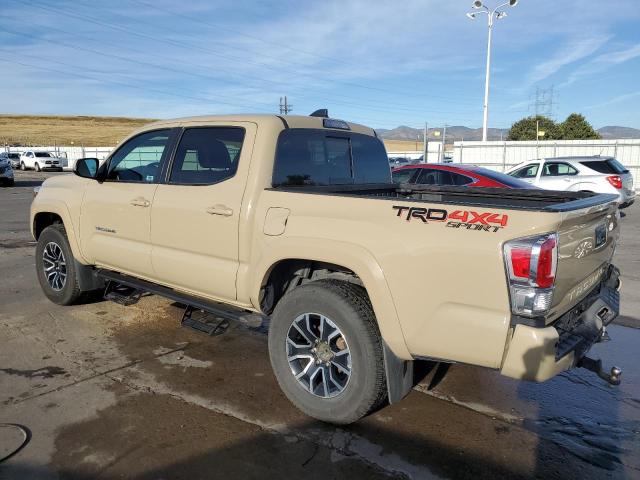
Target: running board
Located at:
point(217, 309)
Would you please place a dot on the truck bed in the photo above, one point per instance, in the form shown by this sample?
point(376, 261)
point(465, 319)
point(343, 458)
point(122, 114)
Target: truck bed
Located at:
point(517, 199)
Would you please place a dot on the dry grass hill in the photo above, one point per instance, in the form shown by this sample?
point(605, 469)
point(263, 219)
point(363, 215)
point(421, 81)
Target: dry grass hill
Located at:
point(96, 131)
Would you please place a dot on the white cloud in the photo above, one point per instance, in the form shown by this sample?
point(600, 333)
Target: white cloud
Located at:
point(577, 48)
point(603, 62)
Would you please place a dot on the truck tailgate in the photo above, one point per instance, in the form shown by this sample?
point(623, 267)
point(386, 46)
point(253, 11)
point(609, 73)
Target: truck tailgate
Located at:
point(587, 241)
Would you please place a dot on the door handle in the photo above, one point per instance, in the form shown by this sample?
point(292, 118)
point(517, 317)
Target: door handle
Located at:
point(566, 179)
point(140, 202)
point(220, 210)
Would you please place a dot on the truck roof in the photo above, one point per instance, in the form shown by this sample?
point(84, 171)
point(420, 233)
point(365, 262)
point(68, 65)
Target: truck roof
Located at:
point(289, 121)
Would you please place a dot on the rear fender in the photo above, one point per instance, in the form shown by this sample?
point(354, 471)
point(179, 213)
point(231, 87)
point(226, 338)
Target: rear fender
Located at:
point(352, 257)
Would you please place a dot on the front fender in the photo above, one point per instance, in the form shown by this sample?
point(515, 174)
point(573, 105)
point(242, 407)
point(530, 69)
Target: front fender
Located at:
point(350, 256)
point(58, 207)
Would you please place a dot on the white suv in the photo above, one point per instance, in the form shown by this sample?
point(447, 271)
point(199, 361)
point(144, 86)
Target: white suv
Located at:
point(579, 174)
point(39, 161)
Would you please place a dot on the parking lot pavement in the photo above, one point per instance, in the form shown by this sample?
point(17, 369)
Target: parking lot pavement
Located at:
point(123, 392)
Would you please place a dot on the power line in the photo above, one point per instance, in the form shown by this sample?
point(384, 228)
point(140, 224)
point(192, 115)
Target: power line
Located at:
point(57, 10)
point(206, 76)
point(124, 84)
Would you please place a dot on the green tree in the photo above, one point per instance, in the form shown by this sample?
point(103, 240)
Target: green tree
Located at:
point(576, 127)
point(525, 129)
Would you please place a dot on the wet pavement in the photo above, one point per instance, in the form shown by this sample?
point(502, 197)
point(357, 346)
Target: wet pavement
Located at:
point(123, 392)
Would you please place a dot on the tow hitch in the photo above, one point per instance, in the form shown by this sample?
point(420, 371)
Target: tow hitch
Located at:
point(613, 377)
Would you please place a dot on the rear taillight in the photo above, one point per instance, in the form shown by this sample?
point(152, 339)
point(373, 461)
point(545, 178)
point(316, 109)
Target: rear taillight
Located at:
point(531, 270)
point(615, 180)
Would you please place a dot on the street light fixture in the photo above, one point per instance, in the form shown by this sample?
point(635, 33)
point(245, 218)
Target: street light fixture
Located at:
point(495, 14)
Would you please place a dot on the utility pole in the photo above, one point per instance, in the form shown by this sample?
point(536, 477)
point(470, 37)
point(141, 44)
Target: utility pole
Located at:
point(425, 144)
point(444, 139)
point(285, 107)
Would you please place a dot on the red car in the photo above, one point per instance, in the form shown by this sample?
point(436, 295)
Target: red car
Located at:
point(462, 175)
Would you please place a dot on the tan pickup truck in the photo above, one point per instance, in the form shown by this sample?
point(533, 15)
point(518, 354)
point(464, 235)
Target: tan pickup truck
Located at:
point(296, 219)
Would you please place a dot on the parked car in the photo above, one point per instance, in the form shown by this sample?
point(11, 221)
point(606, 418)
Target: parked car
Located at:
point(13, 157)
point(395, 162)
point(6, 170)
point(327, 251)
point(458, 175)
point(579, 174)
point(33, 160)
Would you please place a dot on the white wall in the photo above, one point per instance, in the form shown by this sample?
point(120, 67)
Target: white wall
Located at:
point(502, 155)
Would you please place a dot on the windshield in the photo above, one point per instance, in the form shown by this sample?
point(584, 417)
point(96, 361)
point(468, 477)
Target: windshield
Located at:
point(14, 155)
point(312, 157)
point(42, 154)
point(403, 176)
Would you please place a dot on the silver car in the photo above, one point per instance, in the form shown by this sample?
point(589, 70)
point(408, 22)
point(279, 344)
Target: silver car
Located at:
point(579, 174)
point(6, 171)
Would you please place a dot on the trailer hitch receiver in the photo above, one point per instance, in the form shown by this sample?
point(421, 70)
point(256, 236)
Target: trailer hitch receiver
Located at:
point(613, 377)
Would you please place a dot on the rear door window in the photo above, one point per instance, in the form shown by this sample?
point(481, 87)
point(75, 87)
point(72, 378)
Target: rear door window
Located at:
point(429, 176)
point(326, 157)
point(207, 155)
point(556, 169)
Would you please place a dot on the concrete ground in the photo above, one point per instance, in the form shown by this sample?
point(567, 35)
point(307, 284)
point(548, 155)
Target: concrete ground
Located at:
point(110, 392)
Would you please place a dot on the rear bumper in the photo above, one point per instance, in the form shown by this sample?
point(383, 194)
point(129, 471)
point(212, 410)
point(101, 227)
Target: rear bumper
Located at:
point(540, 353)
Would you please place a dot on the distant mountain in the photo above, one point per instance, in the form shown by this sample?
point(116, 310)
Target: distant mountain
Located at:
point(457, 133)
point(454, 133)
point(612, 132)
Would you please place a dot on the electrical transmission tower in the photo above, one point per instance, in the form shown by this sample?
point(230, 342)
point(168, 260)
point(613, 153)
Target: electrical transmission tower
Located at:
point(544, 102)
point(285, 106)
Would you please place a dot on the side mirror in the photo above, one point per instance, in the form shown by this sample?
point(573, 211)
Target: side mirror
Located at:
point(86, 167)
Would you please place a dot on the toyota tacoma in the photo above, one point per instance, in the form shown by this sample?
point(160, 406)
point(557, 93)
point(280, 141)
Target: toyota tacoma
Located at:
point(296, 219)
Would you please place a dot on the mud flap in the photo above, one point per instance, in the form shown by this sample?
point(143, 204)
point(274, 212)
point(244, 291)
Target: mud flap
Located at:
point(399, 375)
point(87, 278)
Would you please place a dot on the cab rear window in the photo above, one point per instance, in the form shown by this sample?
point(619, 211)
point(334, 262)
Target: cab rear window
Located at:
point(316, 157)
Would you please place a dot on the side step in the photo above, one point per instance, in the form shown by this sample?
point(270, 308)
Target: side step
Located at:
point(202, 315)
point(122, 294)
point(204, 322)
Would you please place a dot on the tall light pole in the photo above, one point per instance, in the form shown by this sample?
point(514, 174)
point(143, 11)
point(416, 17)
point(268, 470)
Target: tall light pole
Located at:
point(495, 14)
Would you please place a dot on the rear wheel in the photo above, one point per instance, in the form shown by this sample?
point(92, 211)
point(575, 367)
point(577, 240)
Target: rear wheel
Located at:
point(55, 266)
point(326, 351)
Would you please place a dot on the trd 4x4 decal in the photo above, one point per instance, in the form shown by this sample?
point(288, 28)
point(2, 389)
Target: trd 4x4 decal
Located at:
point(466, 219)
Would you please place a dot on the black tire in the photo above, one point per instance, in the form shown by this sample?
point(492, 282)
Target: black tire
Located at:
point(23, 167)
point(37, 167)
point(348, 307)
point(70, 291)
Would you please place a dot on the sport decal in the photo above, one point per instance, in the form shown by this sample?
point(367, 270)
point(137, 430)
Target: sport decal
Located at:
point(463, 219)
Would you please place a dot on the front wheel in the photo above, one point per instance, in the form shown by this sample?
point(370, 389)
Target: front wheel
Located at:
point(37, 167)
point(23, 167)
point(55, 266)
point(326, 351)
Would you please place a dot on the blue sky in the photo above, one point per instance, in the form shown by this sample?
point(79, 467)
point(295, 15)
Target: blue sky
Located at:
point(379, 63)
